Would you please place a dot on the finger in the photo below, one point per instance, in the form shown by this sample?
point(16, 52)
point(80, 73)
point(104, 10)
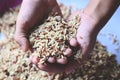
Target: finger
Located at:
point(52, 68)
point(84, 45)
point(24, 44)
point(73, 42)
point(34, 59)
point(51, 60)
point(62, 60)
point(23, 41)
point(43, 67)
point(68, 52)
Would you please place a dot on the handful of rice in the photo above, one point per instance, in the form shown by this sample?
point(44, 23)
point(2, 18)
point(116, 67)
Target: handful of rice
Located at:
point(51, 38)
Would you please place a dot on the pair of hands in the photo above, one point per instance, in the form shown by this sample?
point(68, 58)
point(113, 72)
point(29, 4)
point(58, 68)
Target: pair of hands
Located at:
point(32, 12)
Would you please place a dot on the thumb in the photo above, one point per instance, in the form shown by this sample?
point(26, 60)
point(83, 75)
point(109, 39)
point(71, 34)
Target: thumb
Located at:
point(22, 41)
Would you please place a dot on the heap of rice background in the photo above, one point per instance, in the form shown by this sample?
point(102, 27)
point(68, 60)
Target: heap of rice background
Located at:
point(15, 65)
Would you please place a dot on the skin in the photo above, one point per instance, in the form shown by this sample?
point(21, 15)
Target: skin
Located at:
point(93, 18)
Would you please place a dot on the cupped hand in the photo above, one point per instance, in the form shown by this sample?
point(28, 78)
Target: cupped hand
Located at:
point(86, 33)
point(55, 67)
point(31, 13)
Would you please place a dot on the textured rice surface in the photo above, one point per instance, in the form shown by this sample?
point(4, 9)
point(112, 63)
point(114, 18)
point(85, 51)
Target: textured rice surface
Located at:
point(15, 65)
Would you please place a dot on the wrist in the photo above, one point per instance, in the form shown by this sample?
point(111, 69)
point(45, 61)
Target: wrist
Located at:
point(99, 12)
point(100, 9)
point(93, 24)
